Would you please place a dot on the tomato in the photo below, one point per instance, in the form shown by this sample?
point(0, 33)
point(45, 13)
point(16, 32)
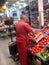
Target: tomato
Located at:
point(38, 48)
point(32, 52)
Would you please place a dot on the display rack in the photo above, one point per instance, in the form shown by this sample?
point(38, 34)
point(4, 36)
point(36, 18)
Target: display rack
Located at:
point(9, 22)
point(35, 51)
point(32, 13)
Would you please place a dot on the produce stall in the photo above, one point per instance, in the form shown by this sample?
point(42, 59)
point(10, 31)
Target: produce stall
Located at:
point(39, 52)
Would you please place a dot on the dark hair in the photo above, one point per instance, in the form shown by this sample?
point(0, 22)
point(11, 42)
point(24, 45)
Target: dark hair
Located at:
point(23, 12)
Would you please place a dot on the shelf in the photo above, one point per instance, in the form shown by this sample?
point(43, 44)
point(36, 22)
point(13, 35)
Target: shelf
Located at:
point(46, 6)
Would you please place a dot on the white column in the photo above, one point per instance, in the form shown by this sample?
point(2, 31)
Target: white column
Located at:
point(7, 12)
point(41, 14)
point(48, 1)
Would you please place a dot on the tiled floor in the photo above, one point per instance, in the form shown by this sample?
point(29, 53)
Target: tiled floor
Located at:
point(4, 53)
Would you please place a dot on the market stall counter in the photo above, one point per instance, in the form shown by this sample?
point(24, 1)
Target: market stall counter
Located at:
point(39, 52)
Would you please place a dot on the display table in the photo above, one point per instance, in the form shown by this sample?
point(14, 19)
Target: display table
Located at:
point(41, 58)
point(4, 30)
point(5, 27)
point(35, 53)
point(37, 60)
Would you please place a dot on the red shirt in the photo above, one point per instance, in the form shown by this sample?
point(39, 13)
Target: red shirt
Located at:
point(22, 30)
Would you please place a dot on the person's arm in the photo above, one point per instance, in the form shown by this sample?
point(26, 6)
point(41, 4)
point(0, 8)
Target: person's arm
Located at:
point(1, 24)
point(30, 32)
point(28, 28)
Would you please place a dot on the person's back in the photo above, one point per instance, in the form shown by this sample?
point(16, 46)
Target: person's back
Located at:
point(22, 30)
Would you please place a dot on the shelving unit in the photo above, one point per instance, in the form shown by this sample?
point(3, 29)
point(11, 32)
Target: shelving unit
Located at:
point(41, 47)
point(46, 13)
point(4, 31)
point(32, 12)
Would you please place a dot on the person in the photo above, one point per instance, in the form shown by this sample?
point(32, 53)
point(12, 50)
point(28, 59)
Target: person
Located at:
point(23, 13)
point(1, 24)
point(22, 30)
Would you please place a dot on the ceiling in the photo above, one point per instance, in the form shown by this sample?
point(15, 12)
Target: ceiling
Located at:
point(10, 2)
point(2, 2)
point(17, 3)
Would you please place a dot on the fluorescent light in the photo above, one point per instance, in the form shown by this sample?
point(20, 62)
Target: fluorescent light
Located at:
point(6, 2)
point(18, 2)
point(14, 5)
point(25, 5)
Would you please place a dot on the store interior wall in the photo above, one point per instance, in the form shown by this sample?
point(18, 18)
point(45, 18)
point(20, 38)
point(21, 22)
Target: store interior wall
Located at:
point(16, 11)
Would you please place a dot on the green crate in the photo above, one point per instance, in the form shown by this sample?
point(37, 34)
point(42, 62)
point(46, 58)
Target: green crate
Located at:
point(11, 43)
point(44, 56)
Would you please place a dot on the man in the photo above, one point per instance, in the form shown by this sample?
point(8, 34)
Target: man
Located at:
point(22, 30)
point(1, 24)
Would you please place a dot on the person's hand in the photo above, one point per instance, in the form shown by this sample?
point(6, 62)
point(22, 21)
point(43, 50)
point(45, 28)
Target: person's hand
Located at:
point(31, 36)
point(0, 25)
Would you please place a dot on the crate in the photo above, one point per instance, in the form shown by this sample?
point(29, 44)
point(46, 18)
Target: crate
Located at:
point(38, 59)
point(13, 48)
